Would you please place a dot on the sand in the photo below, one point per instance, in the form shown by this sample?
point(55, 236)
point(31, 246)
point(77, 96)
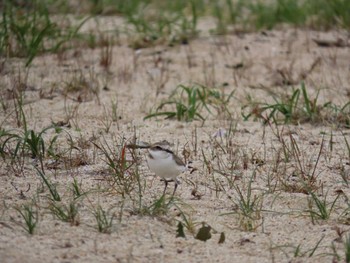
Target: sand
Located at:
point(258, 65)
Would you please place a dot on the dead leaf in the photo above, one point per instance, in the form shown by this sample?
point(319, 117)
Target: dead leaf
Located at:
point(180, 230)
point(222, 238)
point(204, 233)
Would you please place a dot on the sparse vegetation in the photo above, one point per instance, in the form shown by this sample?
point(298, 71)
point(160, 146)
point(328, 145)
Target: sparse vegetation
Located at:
point(18, 145)
point(66, 213)
point(160, 207)
point(319, 208)
point(298, 108)
point(190, 101)
point(170, 27)
point(30, 217)
point(52, 187)
point(347, 249)
point(299, 250)
point(104, 219)
point(77, 79)
point(124, 177)
point(248, 207)
point(28, 32)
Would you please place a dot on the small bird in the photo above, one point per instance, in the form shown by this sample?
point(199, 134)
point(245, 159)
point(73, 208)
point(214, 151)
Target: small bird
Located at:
point(165, 163)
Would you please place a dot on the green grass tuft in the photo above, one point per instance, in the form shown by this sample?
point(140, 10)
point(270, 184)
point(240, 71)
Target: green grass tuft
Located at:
point(190, 101)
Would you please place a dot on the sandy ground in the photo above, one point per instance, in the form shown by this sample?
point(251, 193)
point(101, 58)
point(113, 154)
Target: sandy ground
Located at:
point(137, 82)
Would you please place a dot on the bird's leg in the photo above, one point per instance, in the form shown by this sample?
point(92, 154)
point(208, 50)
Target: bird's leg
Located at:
point(166, 185)
point(175, 187)
point(168, 181)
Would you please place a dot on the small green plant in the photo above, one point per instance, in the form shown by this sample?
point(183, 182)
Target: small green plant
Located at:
point(28, 32)
point(176, 16)
point(319, 208)
point(5, 138)
point(297, 108)
point(339, 115)
point(124, 174)
point(344, 176)
point(66, 213)
point(104, 219)
point(188, 223)
point(81, 87)
point(172, 25)
point(267, 15)
point(347, 146)
point(162, 206)
point(36, 144)
point(76, 189)
point(252, 15)
point(291, 109)
point(248, 207)
point(304, 173)
point(16, 146)
point(159, 207)
point(115, 111)
point(297, 251)
point(187, 106)
point(227, 13)
point(52, 188)
point(347, 249)
point(189, 101)
point(328, 14)
point(25, 142)
point(29, 216)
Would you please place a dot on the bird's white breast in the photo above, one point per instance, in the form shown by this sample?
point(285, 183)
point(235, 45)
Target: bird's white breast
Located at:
point(163, 164)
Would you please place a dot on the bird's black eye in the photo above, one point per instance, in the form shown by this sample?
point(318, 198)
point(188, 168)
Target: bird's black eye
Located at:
point(159, 148)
